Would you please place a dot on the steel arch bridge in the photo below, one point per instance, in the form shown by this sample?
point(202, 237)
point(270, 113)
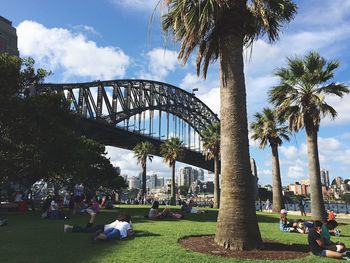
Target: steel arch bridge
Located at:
point(122, 113)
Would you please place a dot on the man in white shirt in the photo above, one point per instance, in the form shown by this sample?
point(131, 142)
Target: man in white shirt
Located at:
point(118, 229)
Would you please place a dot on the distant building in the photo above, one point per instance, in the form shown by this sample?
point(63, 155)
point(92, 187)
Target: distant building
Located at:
point(300, 189)
point(8, 37)
point(254, 171)
point(200, 174)
point(325, 177)
point(134, 183)
point(187, 175)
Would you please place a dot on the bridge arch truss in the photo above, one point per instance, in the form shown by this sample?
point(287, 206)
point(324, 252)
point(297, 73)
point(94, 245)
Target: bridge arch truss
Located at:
point(149, 108)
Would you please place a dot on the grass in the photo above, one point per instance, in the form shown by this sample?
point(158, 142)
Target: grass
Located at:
point(28, 238)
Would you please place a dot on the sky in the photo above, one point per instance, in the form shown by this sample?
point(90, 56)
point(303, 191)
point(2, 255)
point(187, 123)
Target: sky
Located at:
point(85, 40)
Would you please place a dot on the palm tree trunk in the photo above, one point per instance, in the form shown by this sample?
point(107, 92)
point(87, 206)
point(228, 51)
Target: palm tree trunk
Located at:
point(237, 225)
point(277, 202)
point(143, 196)
point(216, 182)
point(317, 203)
point(173, 197)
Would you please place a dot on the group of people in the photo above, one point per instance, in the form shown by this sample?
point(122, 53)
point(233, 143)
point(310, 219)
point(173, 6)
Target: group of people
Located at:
point(120, 228)
point(319, 235)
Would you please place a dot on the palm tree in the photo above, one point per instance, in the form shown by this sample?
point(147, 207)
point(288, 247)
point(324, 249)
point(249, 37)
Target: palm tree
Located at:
point(172, 150)
point(142, 152)
point(220, 29)
point(267, 129)
point(211, 146)
point(300, 99)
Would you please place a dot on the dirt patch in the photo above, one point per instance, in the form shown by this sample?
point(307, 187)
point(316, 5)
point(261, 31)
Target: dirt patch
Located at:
point(272, 250)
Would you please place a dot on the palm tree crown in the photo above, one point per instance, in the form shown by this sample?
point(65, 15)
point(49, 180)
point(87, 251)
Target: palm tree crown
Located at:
point(300, 99)
point(201, 23)
point(300, 96)
point(266, 129)
point(142, 152)
point(211, 141)
point(171, 150)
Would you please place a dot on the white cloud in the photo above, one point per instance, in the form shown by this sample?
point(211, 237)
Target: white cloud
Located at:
point(161, 63)
point(342, 106)
point(290, 152)
point(58, 48)
point(296, 172)
point(264, 172)
point(328, 145)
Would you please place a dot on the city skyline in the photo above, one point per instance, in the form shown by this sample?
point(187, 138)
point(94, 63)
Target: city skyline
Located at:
point(86, 45)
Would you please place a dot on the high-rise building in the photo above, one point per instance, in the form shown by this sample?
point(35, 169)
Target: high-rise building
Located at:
point(134, 183)
point(325, 177)
point(200, 175)
point(187, 175)
point(8, 37)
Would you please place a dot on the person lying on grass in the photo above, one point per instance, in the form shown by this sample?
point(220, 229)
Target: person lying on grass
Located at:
point(327, 229)
point(318, 246)
point(167, 213)
point(118, 229)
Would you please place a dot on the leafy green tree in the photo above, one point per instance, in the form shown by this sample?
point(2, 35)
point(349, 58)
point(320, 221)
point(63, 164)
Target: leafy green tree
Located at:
point(220, 29)
point(142, 152)
point(38, 140)
point(172, 150)
point(17, 75)
point(268, 130)
point(300, 98)
point(211, 147)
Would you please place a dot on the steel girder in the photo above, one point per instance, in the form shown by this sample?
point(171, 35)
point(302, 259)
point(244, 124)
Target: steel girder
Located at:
point(123, 99)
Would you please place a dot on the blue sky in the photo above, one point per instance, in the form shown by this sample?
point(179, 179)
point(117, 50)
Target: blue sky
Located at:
point(114, 39)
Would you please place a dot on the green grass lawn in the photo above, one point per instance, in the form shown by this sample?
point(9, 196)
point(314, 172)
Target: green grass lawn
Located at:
point(28, 238)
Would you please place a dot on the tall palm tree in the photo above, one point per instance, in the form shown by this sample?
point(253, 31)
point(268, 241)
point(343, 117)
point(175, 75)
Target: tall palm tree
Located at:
point(268, 130)
point(211, 146)
point(142, 152)
point(172, 150)
point(221, 29)
point(300, 99)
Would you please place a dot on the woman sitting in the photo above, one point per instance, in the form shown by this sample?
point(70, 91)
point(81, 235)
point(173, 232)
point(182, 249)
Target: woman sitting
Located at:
point(167, 213)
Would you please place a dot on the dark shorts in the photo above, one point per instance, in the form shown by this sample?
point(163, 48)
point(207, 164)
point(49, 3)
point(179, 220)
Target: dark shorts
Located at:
point(320, 254)
point(77, 199)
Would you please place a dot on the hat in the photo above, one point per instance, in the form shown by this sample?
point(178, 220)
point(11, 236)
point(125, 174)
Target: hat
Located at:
point(284, 211)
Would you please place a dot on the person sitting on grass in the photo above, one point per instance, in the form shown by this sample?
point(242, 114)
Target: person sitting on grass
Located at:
point(92, 209)
point(188, 208)
point(90, 228)
point(327, 229)
point(119, 229)
point(319, 248)
point(167, 213)
point(285, 224)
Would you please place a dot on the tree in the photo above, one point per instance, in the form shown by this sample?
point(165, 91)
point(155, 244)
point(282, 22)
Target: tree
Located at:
point(171, 150)
point(211, 147)
point(142, 153)
point(221, 29)
point(38, 138)
point(267, 130)
point(300, 99)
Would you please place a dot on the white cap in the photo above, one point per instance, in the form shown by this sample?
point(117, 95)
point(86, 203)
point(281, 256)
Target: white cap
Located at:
point(284, 211)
